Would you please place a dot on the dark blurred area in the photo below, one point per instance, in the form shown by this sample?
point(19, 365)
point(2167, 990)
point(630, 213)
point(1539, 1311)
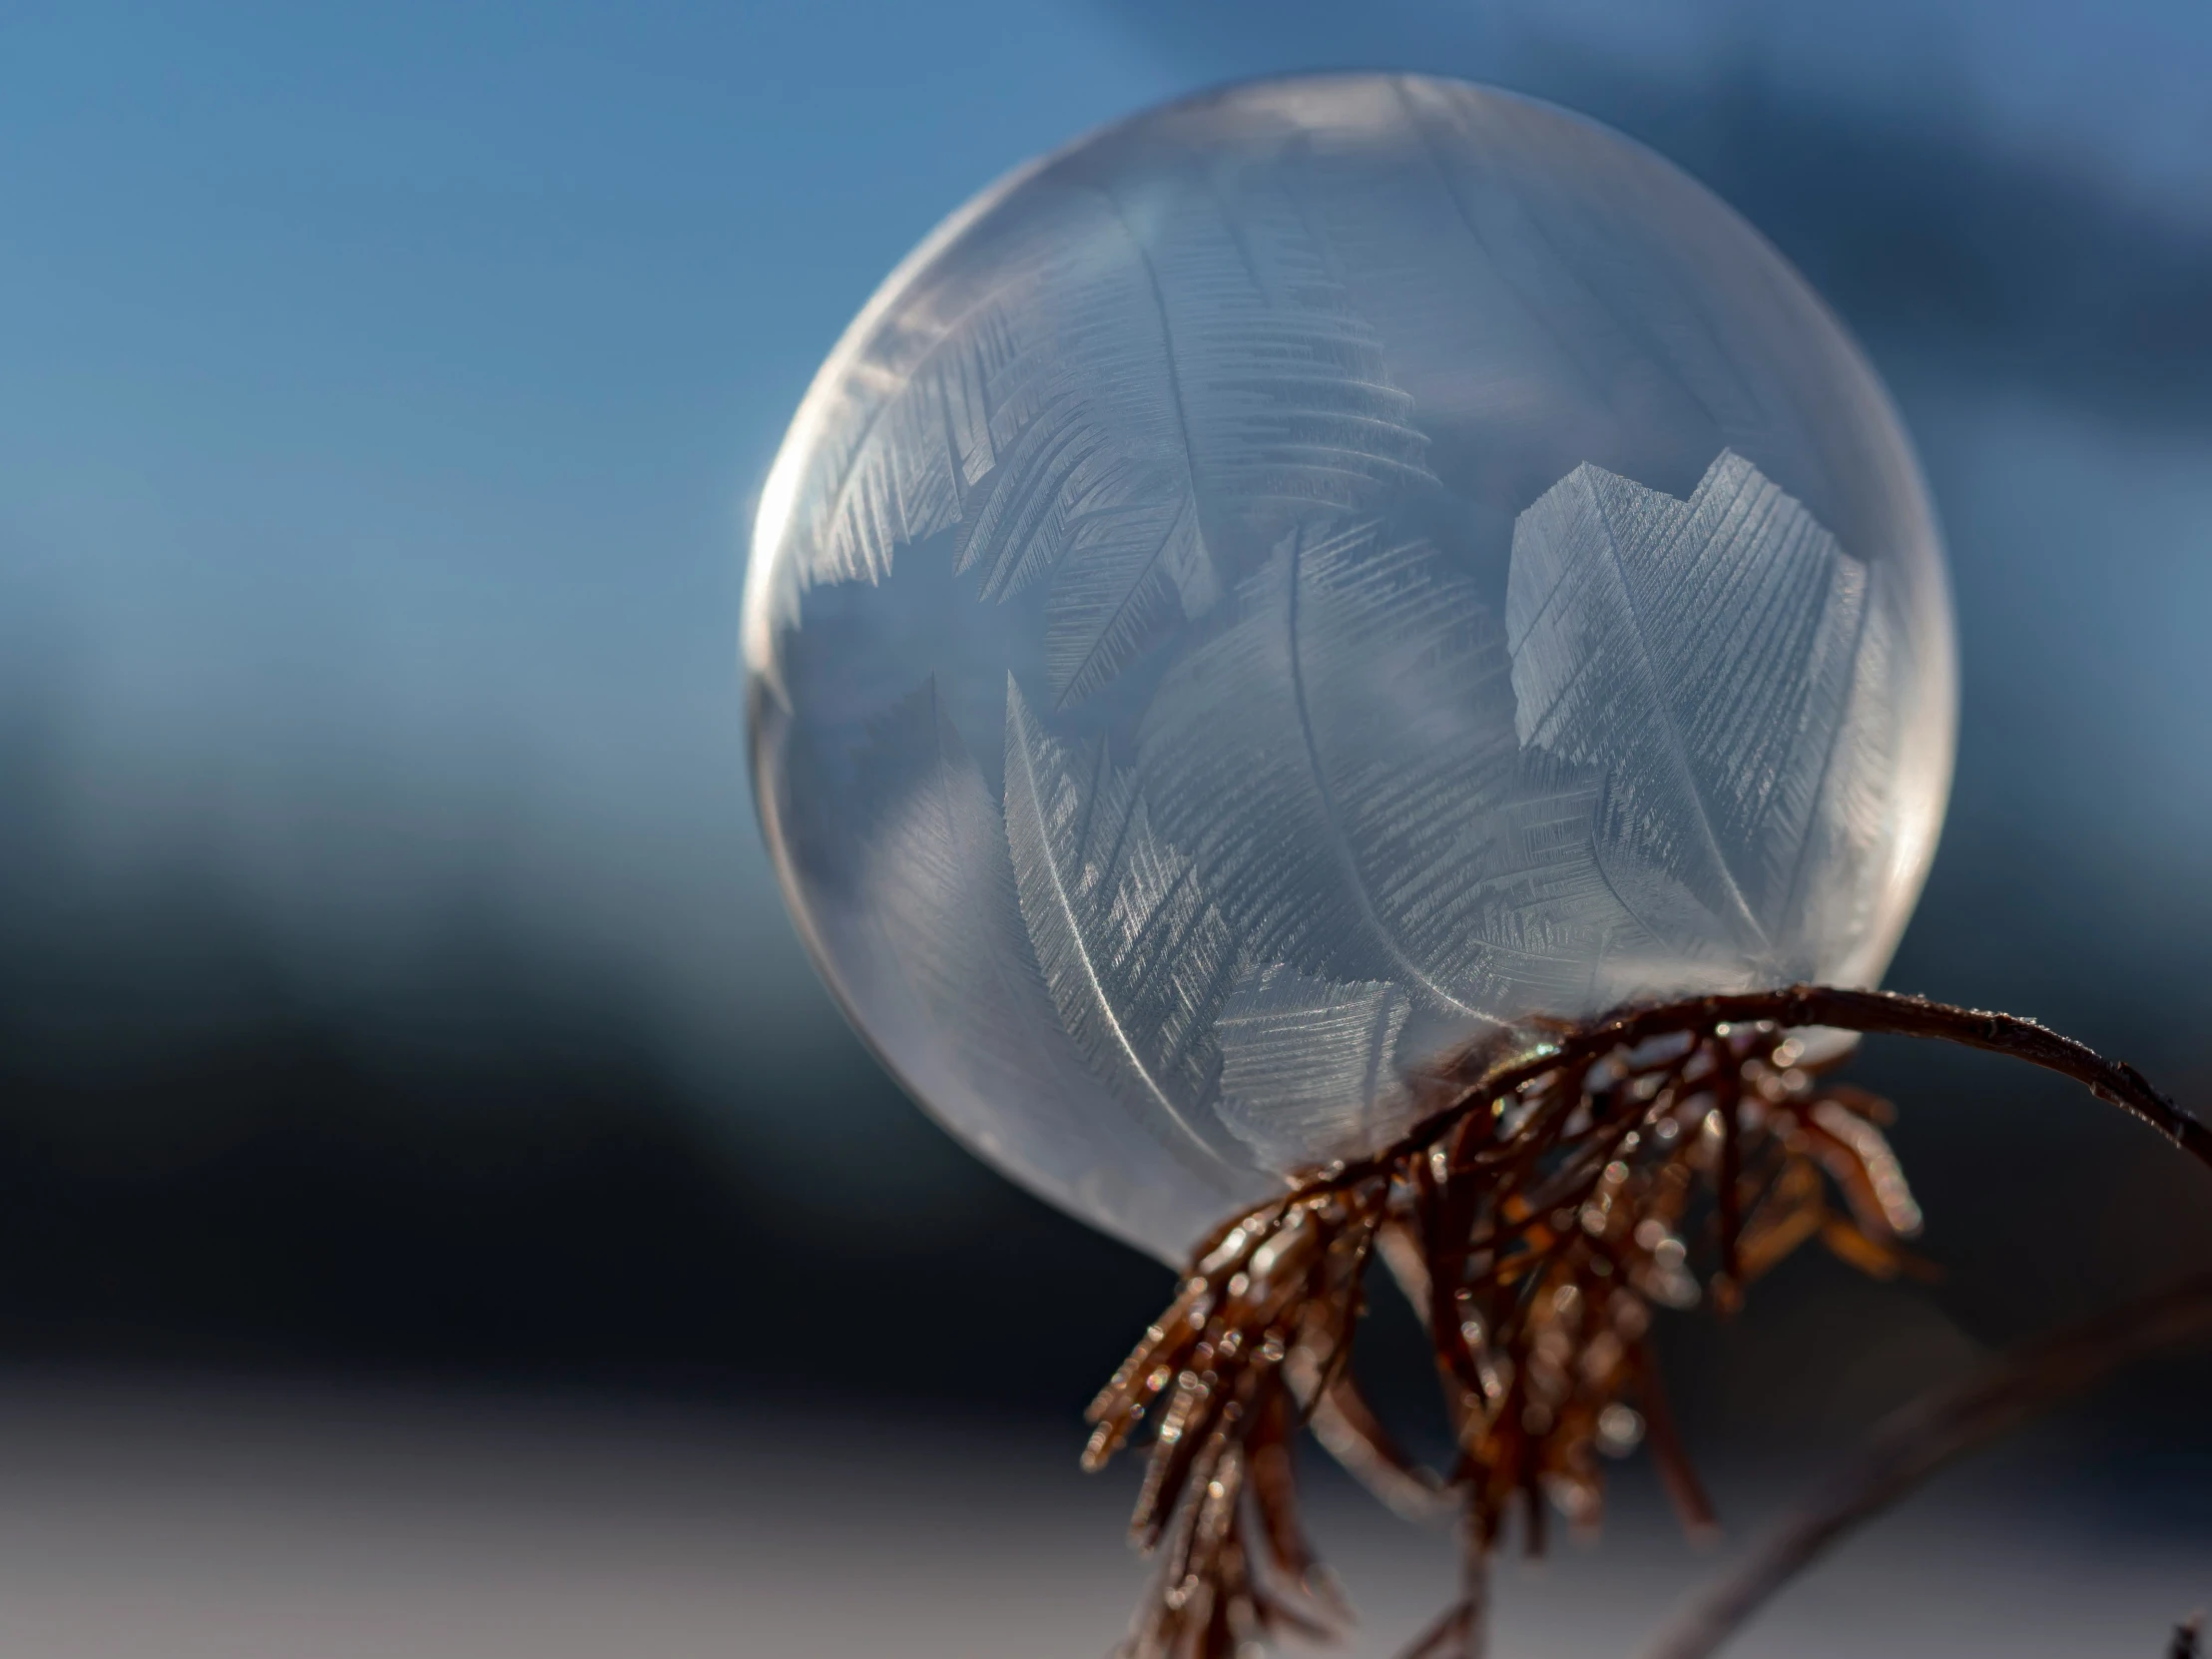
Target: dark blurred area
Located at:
point(392, 992)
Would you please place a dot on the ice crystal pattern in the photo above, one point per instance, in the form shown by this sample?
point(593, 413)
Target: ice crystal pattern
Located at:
point(1307, 577)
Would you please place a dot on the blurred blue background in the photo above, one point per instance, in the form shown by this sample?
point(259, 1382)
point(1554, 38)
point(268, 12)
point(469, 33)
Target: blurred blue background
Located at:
point(394, 994)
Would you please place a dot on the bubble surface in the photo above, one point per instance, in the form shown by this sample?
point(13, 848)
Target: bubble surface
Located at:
point(1304, 577)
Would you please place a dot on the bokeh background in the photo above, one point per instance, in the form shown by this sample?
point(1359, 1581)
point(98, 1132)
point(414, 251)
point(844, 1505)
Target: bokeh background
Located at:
point(440, 1213)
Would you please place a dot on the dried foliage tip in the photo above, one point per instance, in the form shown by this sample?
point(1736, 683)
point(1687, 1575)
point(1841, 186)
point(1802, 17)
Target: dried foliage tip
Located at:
point(1562, 1186)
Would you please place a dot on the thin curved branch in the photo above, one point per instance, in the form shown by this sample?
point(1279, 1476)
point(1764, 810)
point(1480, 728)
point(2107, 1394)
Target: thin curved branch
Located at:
point(1931, 1431)
point(1488, 1070)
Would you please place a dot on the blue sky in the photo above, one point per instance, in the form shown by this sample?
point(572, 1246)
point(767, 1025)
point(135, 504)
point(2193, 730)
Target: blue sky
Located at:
point(382, 390)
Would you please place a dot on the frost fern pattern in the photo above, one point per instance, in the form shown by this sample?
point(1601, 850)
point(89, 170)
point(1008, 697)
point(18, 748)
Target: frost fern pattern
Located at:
point(1298, 583)
point(1681, 674)
point(1248, 957)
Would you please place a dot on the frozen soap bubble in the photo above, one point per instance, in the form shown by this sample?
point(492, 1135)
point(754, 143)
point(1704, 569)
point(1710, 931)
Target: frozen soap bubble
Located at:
point(1306, 574)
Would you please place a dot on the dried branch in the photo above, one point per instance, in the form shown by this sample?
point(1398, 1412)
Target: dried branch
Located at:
point(1491, 1068)
point(1563, 1183)
point(1925, 1436)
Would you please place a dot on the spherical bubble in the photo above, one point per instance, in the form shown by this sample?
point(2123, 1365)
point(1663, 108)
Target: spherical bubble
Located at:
point(1297, 580)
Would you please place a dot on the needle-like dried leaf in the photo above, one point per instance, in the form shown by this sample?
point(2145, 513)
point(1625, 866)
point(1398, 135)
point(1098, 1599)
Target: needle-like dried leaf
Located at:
point(1534, 1218)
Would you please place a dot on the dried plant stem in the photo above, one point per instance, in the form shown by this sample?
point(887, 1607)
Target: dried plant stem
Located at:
point(1925, 1436)
point(1871, 1013)
point(1549, 1195)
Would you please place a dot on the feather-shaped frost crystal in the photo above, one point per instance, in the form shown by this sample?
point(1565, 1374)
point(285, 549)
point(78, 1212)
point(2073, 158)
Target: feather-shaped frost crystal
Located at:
point(1305, 577)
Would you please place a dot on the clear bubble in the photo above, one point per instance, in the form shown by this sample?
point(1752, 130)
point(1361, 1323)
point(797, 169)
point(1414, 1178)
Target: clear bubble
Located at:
point(1298, 579)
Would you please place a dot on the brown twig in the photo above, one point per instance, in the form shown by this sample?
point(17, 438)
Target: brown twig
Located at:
point(1491, 1068)
point(1925, 1436)
point(1542, 1205)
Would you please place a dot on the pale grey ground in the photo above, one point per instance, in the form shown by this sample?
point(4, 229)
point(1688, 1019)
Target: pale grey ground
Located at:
point(138, 1522)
